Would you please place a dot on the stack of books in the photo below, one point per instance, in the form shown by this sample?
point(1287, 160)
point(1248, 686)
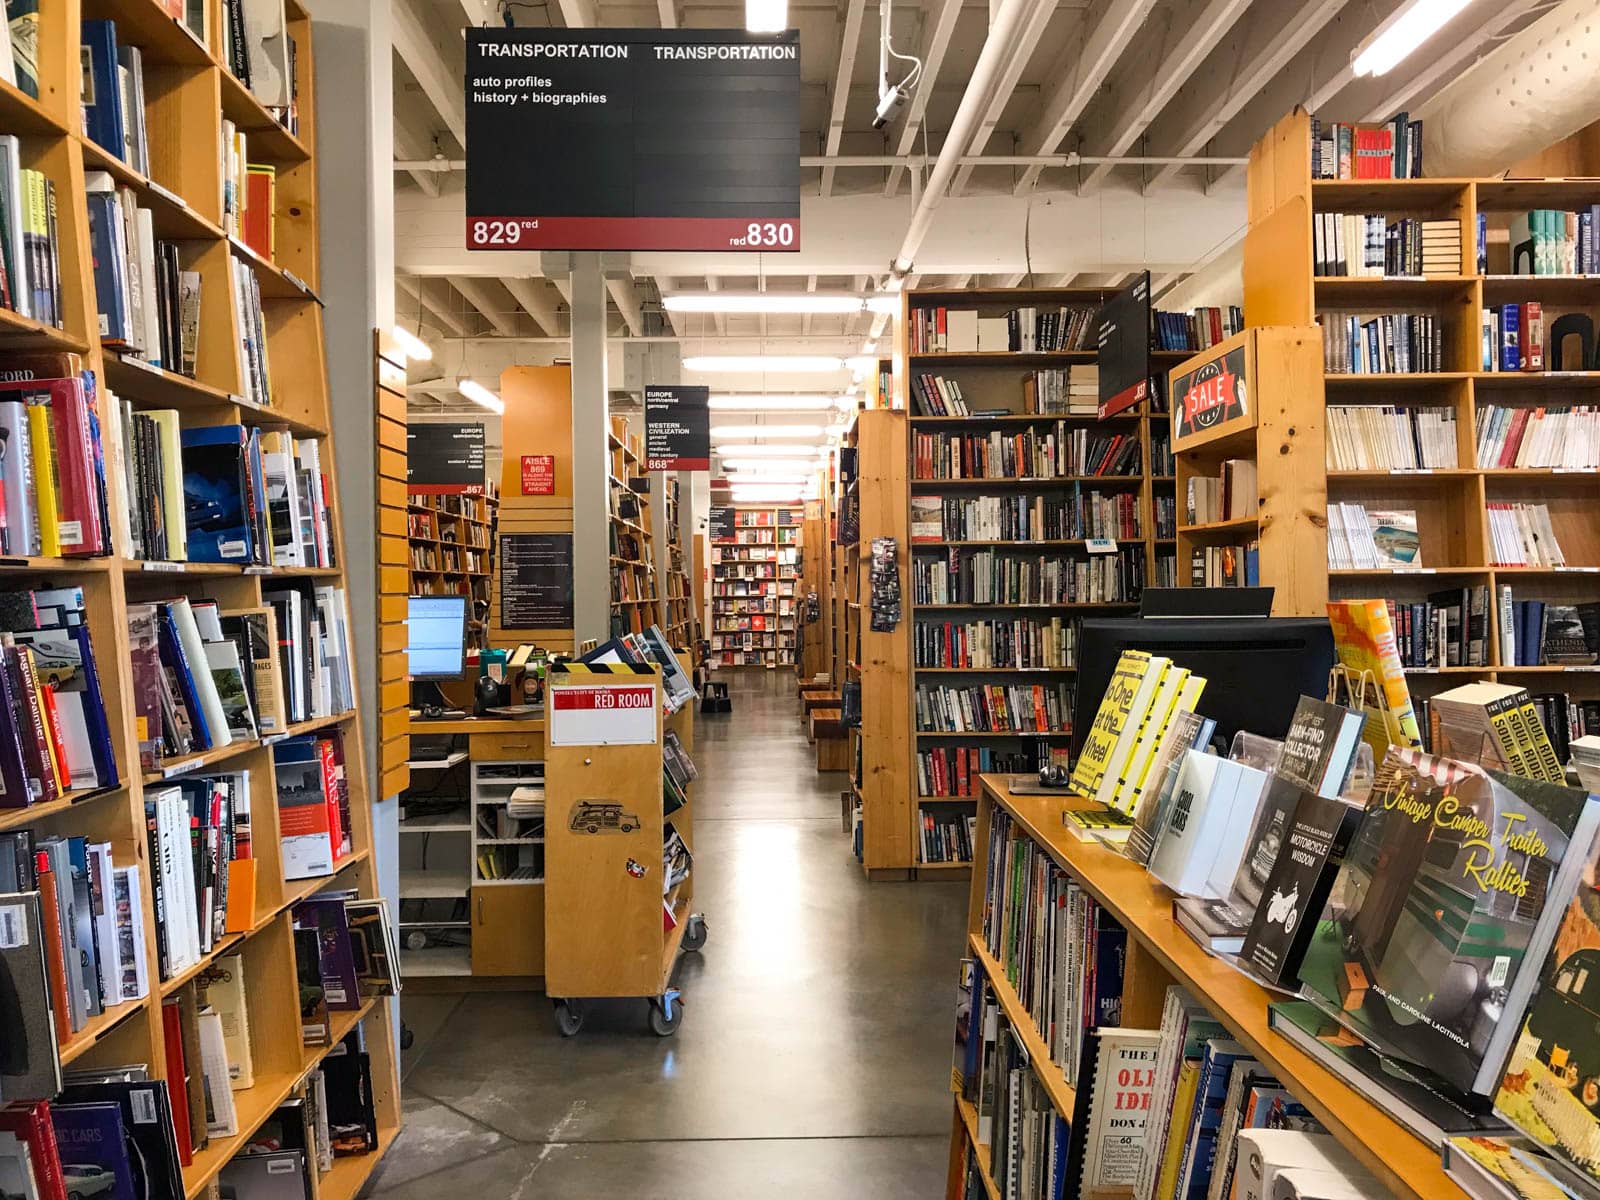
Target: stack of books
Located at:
point(994, 708)
point(936, 396)
point(1367, 437)
point(1369, 245)
point(1448, 629)
point(56, 495)
point(1196, 330)
point(1032, 644)
point(30, 281)
point(1062, 516)
point(1379, 539)
point(1521, 535)
point(1229, 497)
point(1393, 343)
point(961, 576)
point(1238, 565)
point(1564, 435)
point(947, 835)
point(113, 116)
point(259, 51)
point(1537, 633)
point(1043, 452)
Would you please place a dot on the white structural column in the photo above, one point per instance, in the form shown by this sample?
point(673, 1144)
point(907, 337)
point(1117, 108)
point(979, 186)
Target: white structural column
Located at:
point(591, 423)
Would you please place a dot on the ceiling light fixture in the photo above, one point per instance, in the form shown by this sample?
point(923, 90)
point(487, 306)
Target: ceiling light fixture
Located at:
point(751, 451)
point(1411, 25)
point(884, 304)
point(478, 394)
point(411, 345)
point(766, 431)
point(771, 466)
point(766, 16)
point(758, 403)
point(777, 364)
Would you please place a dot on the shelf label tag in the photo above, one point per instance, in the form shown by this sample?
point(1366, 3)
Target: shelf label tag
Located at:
point(158, 565)
point(1102, 545)
point(1416, 570)
point(620, 713)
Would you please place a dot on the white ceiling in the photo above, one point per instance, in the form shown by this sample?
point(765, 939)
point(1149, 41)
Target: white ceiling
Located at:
point(1102, 78)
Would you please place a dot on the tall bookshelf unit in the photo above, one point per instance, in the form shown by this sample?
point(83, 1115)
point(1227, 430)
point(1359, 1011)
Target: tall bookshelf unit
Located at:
point(992, 383)
point(188, 93)
point(635, 580)
point(754, 589)
point(681, 623)
point(452, 552)
point(1456, 544)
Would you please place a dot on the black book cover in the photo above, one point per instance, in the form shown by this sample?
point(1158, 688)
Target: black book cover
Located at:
point(30, 1066)
point(147, 1124)
point(347, 1076)
point(1302, 876)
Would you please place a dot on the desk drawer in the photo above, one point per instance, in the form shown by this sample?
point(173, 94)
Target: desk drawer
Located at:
point(508, 747)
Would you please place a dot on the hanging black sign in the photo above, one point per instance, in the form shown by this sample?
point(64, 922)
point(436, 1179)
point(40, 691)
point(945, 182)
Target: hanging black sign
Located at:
point(721, 525)
point(535, 572)
point(632, 139)
point(445, 459)
point(677, 427)
point(1124, 344)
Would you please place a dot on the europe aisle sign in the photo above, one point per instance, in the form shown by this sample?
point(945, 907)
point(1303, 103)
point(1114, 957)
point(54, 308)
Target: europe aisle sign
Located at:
point(633, 139)
point(677, 427)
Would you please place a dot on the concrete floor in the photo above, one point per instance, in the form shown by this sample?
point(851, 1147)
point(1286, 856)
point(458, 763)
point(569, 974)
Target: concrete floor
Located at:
point(813, 1062)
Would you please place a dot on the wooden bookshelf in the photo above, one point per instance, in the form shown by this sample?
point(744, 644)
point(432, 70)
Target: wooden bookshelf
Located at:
point(637, 583)
point(1160, 954)
point(992, 383)
point(755, 579)
point(1282, 288)
point(815, 579)
point(450, 543)
point(680, 615)
point(187, 84)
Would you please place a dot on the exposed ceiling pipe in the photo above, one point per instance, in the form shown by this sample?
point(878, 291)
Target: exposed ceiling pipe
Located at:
point(920, 160)
point(1534, 90)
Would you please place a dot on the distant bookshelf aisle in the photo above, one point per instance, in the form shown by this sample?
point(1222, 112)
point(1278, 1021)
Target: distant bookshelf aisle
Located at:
point(755, 573)
point(452, 552)
point(636, 577)
point(180, 751)
point(682, 618)
point(1027, 512)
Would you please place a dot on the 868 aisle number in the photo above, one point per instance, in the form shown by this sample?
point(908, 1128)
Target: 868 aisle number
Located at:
point(498, 233)
point(779, 234)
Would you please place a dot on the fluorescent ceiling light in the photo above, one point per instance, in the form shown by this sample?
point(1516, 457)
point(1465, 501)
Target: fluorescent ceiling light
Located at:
point(478, 394)
point(749, 403)
point(762, 302)
point(795, 364)
point(771, 466)
point(766, 431)
point(743, 451)
point(411, 345)
point(793, 479)
point(883, 304)
point(766, 16)
point(1414, 23)
point(870, 346)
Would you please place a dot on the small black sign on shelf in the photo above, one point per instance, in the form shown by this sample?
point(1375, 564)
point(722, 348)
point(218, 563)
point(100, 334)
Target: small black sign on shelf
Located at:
point(677, 427)
point(535, 572)
point(445, 458)
point(721, 524)
point(1124, 348)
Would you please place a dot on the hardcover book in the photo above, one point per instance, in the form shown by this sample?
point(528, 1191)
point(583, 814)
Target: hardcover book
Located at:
point(1443, 911)
point(1186, 731)
point(30, 1067)
point(336, 965)
point(1364, 639)
point(146, 1108)
point(216, 489)
point(1116, 707)
point(95, 1151)
point(1115, 1081)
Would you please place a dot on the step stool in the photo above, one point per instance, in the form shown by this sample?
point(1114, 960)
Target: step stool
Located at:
point(715, 699)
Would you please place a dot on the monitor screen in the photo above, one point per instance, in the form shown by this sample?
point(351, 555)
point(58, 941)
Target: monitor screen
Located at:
point(436, 637)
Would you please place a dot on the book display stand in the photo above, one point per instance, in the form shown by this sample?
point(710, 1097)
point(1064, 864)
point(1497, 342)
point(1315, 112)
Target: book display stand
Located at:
point(190, 95)
point(613, 925)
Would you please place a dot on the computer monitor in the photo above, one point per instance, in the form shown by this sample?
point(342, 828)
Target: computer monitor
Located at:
point(1255, 670)
point(436, 637)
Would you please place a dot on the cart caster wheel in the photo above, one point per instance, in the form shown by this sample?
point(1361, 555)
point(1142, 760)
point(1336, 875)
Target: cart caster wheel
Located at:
point(666, 1014)
point(569, 1017)
point(406, 1037)
point(694, 936)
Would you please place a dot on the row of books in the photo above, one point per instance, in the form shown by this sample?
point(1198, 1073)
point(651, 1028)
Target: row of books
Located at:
point(1061, 952)
point(1563, 435)
point(202, 865)
point(259, 51)
point(114, 95)
point(1198, 329)
point(148, 302)
point(1538, 632)
point(225, 493)
point(1230, 496)
point(1161, 460)
point(30, 282)
point(54, 733)
point(1237, 565)
point(1033, 453)
point(1391, 150)
point(1566, 718)
point(1070, 514)
point(1512, 337)
point(954, 770)
point(1367, 437)
point(1377, 539)
point(1025, 330)
point(1369, 245)
point(1164, 572)
point(1065, 391)
point(1549, 241)
point(936, 396)
point(1381, 344)
point(946, 835)
point(56, 500)
point(1521, 535)
point(994, 708)
point(961, 576)
point(1031, 643)
point(1448, 629)
point(69, 902)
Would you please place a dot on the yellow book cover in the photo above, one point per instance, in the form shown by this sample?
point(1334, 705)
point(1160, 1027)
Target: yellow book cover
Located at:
point(1364, 638)
point(169, 435)
point(1148, 738)
point(1506, 721)
point(1178, 1139)
point(1101, 738)
point(1188, 697)
point(1537, 750)
point(1132, 725)
point(46, 480)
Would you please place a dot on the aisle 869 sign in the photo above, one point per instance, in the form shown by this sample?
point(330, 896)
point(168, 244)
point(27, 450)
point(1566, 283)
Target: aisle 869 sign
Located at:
point(632, 139)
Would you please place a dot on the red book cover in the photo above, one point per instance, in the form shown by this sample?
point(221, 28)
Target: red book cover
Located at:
point(58, 740)
point(75, 468)
point(177, 1074)
point(29, 718)
point(54, 948)
point(1216, 325)
point(31, 1123)
point(330, 794)
point(1533, 336)
point(963, 782)
point(1519, 422)
point(256, 228)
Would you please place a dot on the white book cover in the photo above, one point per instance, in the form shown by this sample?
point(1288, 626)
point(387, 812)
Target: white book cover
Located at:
point(130, 932)
point(1117, 1113)
point(205, 687)
point(961, 330)
point(994, 334)
point(1196, 824)
point(222, 1119)
point(226, 995)
point(1247, 792)
point(17, 1176)
point(106, 943)
point(1263, 1153)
